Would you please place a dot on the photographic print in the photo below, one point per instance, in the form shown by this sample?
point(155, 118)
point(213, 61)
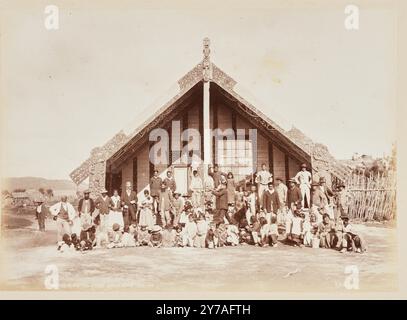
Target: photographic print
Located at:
point(199, 148)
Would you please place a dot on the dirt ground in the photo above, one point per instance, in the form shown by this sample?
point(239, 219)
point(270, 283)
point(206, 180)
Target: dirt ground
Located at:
point(27, 252)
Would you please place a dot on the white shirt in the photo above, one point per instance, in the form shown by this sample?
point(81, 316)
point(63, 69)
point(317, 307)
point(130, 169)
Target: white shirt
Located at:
point(264, 177)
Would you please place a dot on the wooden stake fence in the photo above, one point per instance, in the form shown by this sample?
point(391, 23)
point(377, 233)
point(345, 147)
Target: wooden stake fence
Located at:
point(373, 197)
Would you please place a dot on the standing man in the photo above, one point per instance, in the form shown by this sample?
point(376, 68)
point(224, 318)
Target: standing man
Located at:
point(155, 187)
point(196, 186)
point(86, 204)
point(41, 213)
point(129, 201)
point(104, 203)
point(271, 202)
point(263, 178)
point(63, 213)
point(221, 202)
point(344, 199)
point(304, 179)
point(165, 204)
point(328, 194)
point(215, 174)
point(170, 182)
point(294, 196)
point(281, 190)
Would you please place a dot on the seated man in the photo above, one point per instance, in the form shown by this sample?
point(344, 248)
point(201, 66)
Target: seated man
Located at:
point(327, 232)
point(351, 241)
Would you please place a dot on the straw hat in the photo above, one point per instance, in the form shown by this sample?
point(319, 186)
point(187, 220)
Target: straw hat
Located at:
point(156, 228)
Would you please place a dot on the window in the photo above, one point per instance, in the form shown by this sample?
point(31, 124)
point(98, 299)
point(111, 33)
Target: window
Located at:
point(236, 156)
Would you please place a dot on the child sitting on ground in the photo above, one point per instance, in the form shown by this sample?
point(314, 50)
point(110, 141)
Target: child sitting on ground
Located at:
point(156, 237)
point(264, 232)
point(76, 243)
point(128, 238)
point(221, 234)
point(143, 236)
point(179, 236)
point(326, 230)
point(273, 231)
point(115, 237)
point(296, 233)
point(245, 235)
point(190, 231)
point(201, 231)
point(307, 230)
point(101, 237)
point(232, 235)
point(254, 229)
point(169, 235)
point(66, 243)
point(211, 240)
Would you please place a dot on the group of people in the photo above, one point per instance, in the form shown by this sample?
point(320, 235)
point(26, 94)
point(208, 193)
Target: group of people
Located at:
point(259, 211)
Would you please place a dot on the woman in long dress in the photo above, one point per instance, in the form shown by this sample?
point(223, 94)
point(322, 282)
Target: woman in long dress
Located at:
point(146, 214)
point(231, 188)
point(115, 214)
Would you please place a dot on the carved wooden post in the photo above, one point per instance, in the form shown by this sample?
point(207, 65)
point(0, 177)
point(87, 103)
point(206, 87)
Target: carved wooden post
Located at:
point(97, 172)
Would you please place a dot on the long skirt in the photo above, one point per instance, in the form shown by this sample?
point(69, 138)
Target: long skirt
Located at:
point(146, 218)
point(115, 217)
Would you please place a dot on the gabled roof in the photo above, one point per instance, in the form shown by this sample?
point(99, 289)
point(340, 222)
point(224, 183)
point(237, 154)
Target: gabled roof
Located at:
point(117, 145)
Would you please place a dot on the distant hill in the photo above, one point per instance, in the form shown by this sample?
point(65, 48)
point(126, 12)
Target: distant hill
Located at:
point(13, 183)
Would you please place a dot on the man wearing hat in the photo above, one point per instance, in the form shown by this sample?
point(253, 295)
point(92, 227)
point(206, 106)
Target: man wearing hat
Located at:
point(41, 213)
point(293, 194)
point(303, 178)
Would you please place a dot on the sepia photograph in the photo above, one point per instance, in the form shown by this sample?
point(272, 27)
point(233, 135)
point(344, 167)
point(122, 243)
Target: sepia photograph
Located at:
point(199, 148)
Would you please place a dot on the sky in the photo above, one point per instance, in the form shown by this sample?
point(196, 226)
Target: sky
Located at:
point(65, 91)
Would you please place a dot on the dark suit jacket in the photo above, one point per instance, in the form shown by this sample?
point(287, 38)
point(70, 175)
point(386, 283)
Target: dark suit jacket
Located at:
point(126, 199)
point(44, 212)
point(170, 183)
point(92, 205)
point(293, 196)
point(221, 199)
point(271, 202)
point(104, 205)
